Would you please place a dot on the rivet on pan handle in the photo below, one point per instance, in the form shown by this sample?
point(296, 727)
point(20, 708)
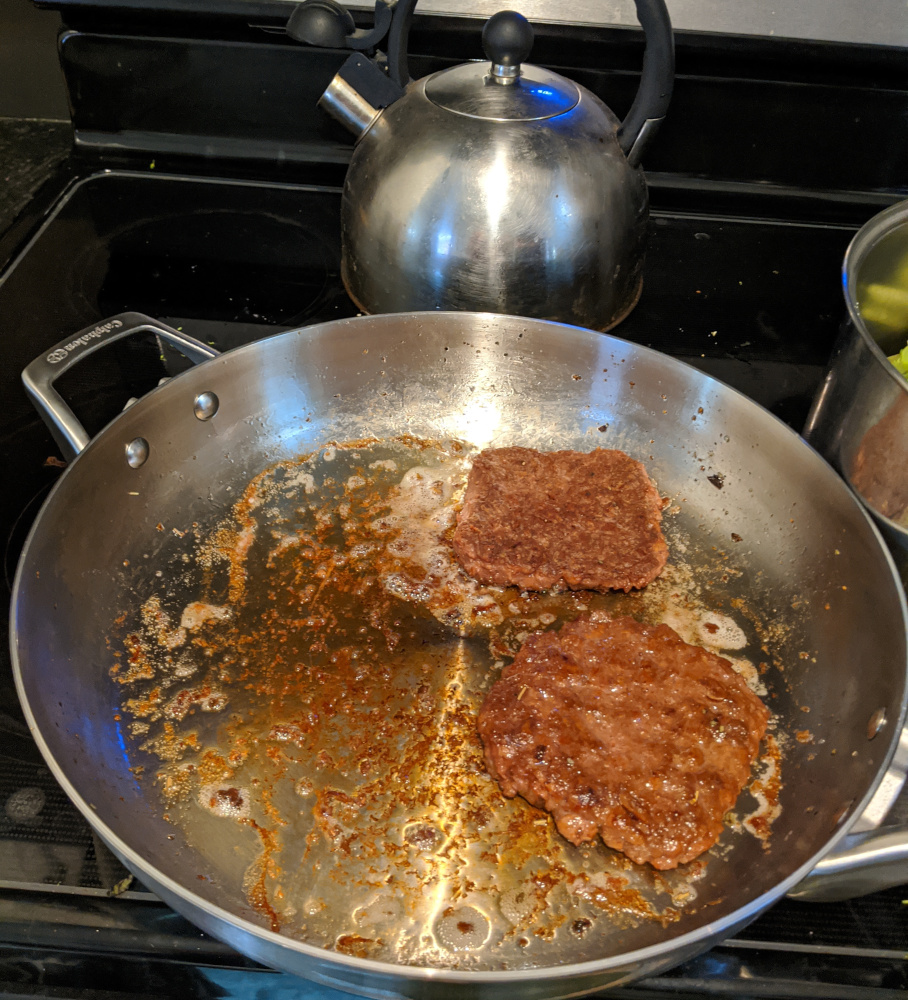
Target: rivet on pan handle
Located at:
point(41, 374)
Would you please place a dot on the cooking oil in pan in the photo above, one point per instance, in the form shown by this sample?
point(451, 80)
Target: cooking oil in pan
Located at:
point(310, 707)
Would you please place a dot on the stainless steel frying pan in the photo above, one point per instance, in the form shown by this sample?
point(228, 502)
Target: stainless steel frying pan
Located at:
point(761, 531)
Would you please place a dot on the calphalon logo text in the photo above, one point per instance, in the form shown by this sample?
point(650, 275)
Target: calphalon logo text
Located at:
point(62, 353)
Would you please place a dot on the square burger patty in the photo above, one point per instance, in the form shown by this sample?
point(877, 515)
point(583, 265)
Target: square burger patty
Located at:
point(624, 730)
point(583, 520)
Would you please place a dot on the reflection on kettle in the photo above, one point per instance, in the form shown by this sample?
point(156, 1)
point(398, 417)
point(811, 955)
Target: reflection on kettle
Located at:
point(499, 186)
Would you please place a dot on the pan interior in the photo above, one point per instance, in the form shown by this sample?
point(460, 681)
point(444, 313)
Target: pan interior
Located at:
point(269, 683)
point(313, 704)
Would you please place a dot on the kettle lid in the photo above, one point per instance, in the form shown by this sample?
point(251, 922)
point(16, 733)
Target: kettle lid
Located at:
point(474, 91)
point(505, 91)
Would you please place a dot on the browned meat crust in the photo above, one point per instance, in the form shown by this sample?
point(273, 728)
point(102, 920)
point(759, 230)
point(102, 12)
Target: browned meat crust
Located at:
point(585, 520)
point(625, 730)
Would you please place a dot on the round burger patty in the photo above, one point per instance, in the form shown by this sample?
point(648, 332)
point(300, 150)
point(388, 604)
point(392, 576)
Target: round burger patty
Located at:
point(624, 730)
point(585, 520)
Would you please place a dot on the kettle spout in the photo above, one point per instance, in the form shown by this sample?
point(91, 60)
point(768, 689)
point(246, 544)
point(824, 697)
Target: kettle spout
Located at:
point(358, 93)
point(351, 109)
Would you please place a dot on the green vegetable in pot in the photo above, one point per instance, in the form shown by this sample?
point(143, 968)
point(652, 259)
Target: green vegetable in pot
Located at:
point(885, 306)
point(900, 361)
point(882, 297)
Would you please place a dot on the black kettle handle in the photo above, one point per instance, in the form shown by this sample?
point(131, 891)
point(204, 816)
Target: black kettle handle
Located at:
point(655, 90)
point(398, 34)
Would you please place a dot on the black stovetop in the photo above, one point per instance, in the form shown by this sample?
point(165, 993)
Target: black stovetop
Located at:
point(752, 300)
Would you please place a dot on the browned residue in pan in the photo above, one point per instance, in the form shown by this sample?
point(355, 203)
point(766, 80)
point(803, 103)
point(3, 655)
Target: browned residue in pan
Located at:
point(311, 694)
point(766, 788)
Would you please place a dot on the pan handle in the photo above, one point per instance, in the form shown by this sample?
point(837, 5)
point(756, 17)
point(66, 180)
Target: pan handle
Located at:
point(864, 863)
point(874, 856)
point(40, 375)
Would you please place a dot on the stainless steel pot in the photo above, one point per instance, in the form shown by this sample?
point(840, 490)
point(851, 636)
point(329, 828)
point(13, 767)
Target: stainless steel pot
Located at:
point(859, 418)
point(760, 528)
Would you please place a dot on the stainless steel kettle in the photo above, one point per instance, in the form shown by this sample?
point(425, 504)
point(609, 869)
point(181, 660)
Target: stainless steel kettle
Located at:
point(492, 186)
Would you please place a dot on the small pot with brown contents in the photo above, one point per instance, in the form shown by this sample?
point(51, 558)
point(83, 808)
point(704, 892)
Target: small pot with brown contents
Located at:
point(859, 418)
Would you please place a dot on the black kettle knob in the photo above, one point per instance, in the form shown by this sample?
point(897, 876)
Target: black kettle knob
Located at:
point(507, 38)
point(323, 23)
